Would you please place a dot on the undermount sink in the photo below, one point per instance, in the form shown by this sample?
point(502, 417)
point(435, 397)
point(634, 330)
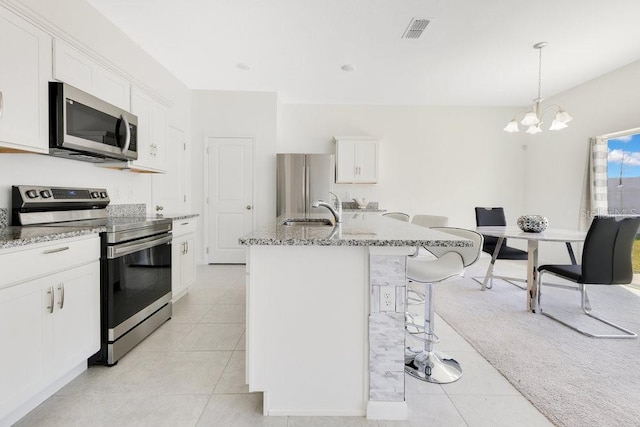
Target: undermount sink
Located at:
point(308, 222)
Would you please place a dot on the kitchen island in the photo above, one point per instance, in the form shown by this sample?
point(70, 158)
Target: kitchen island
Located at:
point(325, 314)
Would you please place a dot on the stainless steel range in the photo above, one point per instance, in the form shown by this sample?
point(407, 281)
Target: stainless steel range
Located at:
point(135, 262)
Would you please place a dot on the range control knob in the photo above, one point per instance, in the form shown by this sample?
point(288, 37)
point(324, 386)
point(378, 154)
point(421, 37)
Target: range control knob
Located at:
point(45, 194)
point(32, 194)
point(95, 195)
point(103, 194)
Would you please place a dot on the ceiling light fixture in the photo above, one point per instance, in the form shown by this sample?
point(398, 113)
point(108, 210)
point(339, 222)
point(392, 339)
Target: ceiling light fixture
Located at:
point(533, 117)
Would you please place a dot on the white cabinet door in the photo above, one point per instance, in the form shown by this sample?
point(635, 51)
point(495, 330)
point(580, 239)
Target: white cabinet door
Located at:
point(114, 89)
point(189, 261)
point(356, 161)
point(345, 162)
point(183, 268)
point(366, 155)
point(141, 107)
point(170, 189)
point(77, 69)
point(76, 316)
point(152, 131)
point(22, 336)
point(74, 68)
point(25, 69)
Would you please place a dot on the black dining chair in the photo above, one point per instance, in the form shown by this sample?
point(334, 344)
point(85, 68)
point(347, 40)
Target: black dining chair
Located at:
point(486, 217)
point(606, 260)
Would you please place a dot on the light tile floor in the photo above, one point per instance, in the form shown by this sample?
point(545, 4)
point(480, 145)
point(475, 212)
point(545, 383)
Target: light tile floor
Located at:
point(190, 372)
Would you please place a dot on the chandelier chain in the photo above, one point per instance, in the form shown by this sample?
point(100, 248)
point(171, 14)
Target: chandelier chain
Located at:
point(539, 72)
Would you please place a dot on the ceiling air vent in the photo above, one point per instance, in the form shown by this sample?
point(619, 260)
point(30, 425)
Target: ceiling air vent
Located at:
point(415, 28)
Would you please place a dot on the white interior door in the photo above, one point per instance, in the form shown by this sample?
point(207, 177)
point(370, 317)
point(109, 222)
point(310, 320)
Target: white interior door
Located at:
point(230, 196)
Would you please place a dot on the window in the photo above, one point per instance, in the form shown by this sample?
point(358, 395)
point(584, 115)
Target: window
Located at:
point(623, 182)
point(623, 175)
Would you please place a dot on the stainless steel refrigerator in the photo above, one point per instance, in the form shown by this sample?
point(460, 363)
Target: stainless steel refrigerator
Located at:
point(302, 179)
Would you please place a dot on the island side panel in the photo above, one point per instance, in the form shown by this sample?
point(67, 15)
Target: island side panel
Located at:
point(386, 329)
point(307, 316)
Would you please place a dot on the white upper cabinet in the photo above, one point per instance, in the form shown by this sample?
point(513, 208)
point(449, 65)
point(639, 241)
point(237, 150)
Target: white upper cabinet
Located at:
point(25, 69)
point(79, 70)
point(169, 190)
point(356, 160)
point(152, 131)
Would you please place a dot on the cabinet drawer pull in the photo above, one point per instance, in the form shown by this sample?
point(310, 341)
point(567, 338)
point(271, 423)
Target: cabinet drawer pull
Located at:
point(185, 223)
point(61, 289)
point(51, 299)
point(52, 251)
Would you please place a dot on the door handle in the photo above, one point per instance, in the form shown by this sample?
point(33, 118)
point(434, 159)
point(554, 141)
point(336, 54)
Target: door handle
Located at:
point(53, 251)
point(61, 289)
point(127, 138)
point(249, 207)
point(51, 299)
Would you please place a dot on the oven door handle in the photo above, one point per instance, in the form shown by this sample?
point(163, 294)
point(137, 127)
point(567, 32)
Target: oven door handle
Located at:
point(131, 247)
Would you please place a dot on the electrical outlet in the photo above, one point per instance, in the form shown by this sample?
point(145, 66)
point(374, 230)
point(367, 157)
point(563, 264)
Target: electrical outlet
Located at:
point(387, 298)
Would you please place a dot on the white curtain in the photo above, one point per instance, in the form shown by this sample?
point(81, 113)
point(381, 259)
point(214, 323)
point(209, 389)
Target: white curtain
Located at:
point(594, 195)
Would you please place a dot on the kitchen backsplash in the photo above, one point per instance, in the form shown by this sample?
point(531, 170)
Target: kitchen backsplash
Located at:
point(4, 217)
point(134, 209)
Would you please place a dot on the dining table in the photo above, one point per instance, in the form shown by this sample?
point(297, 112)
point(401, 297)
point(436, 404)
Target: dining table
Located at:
point(533, 239)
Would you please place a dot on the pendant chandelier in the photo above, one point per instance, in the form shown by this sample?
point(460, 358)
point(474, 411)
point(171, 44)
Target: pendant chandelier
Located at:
point(533, 117)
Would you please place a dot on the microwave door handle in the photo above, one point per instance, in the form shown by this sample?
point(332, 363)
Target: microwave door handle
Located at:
point(127, 139)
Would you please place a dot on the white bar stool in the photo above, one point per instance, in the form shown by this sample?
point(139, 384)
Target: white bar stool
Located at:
point(427, 364)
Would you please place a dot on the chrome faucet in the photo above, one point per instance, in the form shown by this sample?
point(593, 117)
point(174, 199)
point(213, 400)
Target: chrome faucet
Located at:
point(336, 210)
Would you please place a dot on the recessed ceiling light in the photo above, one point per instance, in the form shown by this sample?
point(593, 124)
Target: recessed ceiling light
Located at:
point(243, 66)
point(347, 67)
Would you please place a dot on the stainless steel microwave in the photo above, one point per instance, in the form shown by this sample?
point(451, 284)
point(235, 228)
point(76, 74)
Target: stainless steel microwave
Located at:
point(83, 127)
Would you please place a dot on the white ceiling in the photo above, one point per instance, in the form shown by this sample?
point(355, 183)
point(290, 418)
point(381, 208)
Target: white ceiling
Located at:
point(474, 52)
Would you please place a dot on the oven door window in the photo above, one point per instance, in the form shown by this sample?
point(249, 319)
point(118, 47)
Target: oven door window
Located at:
point(137, 280)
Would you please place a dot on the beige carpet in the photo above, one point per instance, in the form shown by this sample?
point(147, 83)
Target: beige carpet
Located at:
point(573, 379)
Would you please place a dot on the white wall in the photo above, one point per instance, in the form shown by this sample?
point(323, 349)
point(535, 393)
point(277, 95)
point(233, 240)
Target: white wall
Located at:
point(556, 161)
point(433, 160)
point(81, 22)
point(242, 114)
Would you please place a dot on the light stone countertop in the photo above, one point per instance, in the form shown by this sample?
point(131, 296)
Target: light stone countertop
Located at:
point(355, 230)
point(177, 217)
point(364, 210)
point(15, 236)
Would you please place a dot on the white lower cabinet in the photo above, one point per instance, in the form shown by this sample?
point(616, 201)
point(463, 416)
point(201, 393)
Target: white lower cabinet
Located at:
point(75, 321)
point(49, 324)
point(183, 262)
point(22, 331)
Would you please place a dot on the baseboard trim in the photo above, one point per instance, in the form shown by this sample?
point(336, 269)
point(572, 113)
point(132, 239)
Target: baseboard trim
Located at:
point(387, 410)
